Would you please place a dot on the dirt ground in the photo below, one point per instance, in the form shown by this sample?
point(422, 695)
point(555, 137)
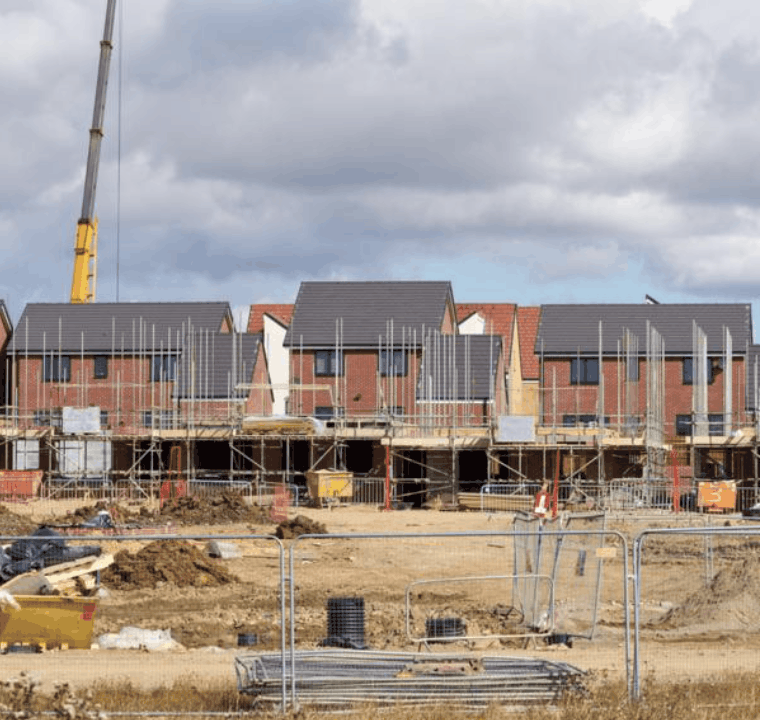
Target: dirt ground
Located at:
point(700, 610)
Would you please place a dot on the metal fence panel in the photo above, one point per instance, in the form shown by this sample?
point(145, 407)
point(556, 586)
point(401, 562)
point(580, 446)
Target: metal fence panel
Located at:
point(427, 595)
point(696, 603)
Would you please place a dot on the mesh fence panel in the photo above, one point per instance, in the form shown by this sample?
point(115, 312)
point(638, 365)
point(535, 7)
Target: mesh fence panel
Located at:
point(697, 603)
point(453, 593)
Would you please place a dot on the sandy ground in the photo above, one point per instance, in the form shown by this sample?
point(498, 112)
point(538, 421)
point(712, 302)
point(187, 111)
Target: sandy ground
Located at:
point(463, 576)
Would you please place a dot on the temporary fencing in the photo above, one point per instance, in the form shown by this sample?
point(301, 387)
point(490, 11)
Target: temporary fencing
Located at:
point(460, 594)
point(696, 603)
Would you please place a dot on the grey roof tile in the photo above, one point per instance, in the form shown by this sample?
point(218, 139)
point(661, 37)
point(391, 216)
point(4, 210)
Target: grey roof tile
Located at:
point(567, 329)
point(365, 309)
point(474, 359)
point(101, 327)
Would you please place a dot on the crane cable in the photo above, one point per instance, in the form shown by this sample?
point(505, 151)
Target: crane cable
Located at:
point(118, 147)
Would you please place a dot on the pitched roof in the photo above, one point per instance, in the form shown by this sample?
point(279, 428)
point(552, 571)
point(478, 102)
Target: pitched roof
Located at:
point(103, 327)
point(366, 310)
point(214, 364)
point(499, 317)
point(459, 367)
point(567, 329)
point(528, 319)
point(280, 312)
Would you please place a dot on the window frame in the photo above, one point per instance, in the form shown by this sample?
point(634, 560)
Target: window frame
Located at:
point(687, 375)
point(716, 424)
point(684, 421)
point(163, 367)
point(396, 355)
point(580, 370)
point(100, 367)
point(332, 359)
point(55, 366)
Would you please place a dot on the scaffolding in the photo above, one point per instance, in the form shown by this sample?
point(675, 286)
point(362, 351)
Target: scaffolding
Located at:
point(426, 425)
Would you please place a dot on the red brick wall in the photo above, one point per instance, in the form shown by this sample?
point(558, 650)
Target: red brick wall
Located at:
point(357, 391)
point(125, 393)
point(259, 401)
point(582, 399)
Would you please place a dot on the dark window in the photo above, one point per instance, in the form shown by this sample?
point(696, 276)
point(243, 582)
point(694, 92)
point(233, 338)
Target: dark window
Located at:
point(49, 418)
point(162, 419)
point(392, 362)
point(100, 364)
point(584, 371)
point(632, 369)
point(715, 424)
point(326, 363)
point(57, 368)
point(163, 367)
point(683, 425)
point(582, 420)
point(688, 371)
point(104, 418)
point(327, 412)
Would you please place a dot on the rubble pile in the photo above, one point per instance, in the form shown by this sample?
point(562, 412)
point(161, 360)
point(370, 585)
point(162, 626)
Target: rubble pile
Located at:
point(165, 561)
point(300, 525)
point(12, 524)
point(227, 507)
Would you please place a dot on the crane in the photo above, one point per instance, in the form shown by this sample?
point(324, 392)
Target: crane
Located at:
point(86, 246)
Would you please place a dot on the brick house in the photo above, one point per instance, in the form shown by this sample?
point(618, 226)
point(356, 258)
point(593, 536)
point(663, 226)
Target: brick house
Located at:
point(356, 347)
point(594, 366)
point(144, 365)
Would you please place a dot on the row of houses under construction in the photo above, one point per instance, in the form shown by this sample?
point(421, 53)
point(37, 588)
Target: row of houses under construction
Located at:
point(386, 380)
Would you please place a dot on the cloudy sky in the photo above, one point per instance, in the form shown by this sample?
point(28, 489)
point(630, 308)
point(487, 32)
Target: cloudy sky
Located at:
point(528, 150)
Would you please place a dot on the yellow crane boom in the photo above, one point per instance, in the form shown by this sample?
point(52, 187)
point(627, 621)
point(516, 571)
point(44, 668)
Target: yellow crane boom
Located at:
point(86, 245)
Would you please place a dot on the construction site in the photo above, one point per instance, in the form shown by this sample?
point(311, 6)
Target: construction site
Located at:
point(99, 404)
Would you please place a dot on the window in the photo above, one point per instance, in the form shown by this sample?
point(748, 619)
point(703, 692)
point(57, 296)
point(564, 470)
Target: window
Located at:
point(392, 362)
point(326, 363)
point(56, 368)
point(688, 371)
point(583, 420)
point(104, 418)
point(584, 371)
point(162, 419)
point(163, 367)
point(715, 424)
point(327, 412)
point(632, 369)
point(683, 425)
point(48, 418)
point(100, 365)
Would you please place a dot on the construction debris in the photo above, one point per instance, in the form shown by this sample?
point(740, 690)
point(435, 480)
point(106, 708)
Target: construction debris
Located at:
point(165, 561)
point(46, 548)
point(226, 507)
point(300, 525)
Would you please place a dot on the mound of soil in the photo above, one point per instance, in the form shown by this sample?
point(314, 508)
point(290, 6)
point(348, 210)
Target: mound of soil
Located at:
point(165, 561)
point(12, 524)
point(219, 509)
point(300, 525)
point(119, 514)
point(731, 602)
